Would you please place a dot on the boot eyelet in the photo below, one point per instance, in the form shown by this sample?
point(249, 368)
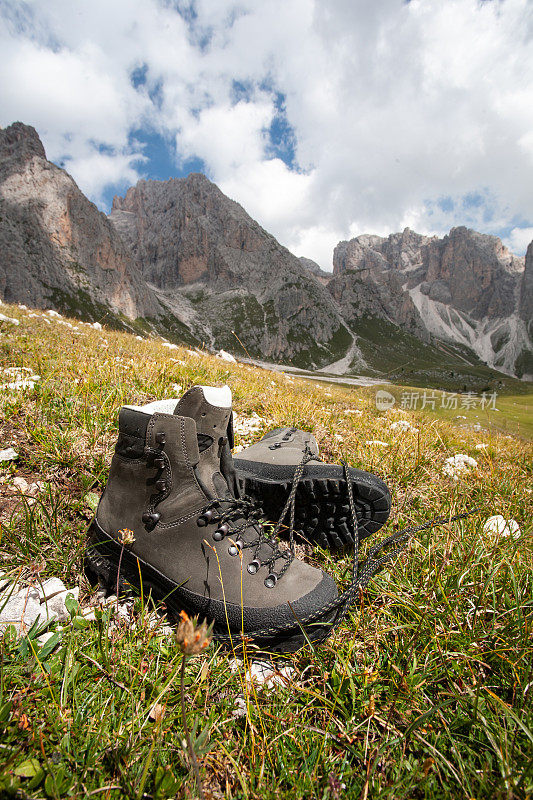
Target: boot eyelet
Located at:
point(271, 580)
point(205, 518)
point(151, 518)
point(160, 438)
point(235, 549)
point(159, 463)
point(218, 535)
point(161, 486)
point(253, 566)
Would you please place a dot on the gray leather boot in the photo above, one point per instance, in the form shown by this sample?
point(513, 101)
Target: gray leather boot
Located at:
point(197, 544)
point(322, 511)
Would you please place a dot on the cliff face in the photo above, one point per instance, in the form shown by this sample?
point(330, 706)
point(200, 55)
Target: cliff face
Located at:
point(526, 290)
point(190, 240)
point(57, 249)
point(466, 288)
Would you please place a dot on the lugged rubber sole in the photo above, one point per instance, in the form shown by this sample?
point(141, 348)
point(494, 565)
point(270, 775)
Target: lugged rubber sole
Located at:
point(322, 507)
point(101, 562)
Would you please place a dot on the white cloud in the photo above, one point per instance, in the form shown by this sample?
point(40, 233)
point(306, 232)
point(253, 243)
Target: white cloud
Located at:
point(415, 113)
point(518, 239)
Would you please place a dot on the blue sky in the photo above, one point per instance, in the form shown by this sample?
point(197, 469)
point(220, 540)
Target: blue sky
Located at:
point(324, 119)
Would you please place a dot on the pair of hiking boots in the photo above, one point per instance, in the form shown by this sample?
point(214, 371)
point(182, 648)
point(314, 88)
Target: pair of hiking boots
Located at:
point(202, 540)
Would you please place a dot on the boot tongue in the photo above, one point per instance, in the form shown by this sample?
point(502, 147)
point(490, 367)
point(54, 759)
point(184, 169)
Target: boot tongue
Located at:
point(210, 407)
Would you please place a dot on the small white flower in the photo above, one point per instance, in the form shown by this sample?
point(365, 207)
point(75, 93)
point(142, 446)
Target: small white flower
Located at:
point(481, 446)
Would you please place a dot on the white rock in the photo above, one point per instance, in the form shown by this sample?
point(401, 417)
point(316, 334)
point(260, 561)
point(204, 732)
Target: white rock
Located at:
point(376, 443)
point(19, 607)
point(17, 372)
point(53, 595)
point(170, 346)
point(12, 320)
point(52, 313)
point(355, 411)
point(225, 356)
point(501, 527)
point(8, 455)
point(458, 465)
point(139, 338)
point(16, 385)
point(21, 484)
point(96, 326)
point(263, 673)
point(481, 446)
point(403, 425)
point(43, 638)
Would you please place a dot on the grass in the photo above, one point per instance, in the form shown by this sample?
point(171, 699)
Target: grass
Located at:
point(424, 692)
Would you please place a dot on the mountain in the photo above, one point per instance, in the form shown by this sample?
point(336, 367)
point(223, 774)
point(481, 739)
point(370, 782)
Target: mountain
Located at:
point(57, 249)
point(197, 248)
point(181, 259)
point(465, 289)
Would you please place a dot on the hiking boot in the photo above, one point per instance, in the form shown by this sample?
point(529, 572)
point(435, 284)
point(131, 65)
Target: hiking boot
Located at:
point(198, 545)
point(266, 471)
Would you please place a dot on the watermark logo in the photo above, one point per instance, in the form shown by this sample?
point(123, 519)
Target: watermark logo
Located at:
point(451, 401)
point(384, 400)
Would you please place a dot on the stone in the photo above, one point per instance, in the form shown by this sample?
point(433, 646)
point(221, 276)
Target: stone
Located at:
point(9, 454)
point(500, 526)
point(53, 595)
point(19, 606)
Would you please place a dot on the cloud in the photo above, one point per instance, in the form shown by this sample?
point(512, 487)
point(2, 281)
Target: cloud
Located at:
point(324, 120)
point(518, 239)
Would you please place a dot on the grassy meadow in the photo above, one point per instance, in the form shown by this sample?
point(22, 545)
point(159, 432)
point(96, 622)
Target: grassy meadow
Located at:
point(426, 689)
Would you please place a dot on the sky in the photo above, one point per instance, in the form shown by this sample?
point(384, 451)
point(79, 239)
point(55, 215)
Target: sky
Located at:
point(324, 119)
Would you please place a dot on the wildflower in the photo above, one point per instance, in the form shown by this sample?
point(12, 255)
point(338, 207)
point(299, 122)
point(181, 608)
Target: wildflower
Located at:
point(126, 537)
point(191, 637)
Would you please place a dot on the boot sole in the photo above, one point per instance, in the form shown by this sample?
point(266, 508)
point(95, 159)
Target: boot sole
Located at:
point(322, 506)
point(101, 561)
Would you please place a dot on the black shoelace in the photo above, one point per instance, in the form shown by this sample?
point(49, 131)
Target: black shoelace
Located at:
point(361, 573)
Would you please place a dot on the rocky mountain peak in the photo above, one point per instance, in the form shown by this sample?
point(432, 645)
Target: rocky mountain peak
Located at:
point(58, 250)
point(21, 141)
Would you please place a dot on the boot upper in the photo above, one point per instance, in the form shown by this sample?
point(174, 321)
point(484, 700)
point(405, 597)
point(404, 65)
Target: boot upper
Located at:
point(169, 468)
point(284, 446)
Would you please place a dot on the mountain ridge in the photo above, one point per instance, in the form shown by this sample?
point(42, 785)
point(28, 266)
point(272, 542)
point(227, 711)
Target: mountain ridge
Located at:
point(181, 259)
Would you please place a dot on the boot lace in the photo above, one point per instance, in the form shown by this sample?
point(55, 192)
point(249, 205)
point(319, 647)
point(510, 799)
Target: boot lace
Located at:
point(361, 573)
point(245, 515)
